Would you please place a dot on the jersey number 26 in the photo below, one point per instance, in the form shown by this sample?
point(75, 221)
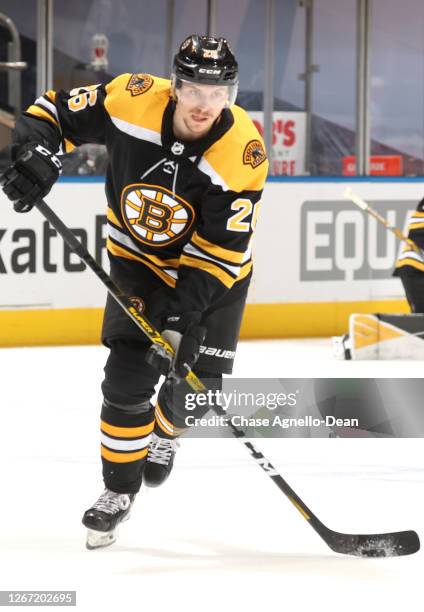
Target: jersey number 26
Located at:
point(244, 207)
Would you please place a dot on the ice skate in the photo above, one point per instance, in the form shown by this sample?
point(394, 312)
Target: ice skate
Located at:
point(104, 516)
point(160, 460)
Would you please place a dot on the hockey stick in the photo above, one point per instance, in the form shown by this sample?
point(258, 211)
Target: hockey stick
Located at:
point(350, 195)
point(362, 545)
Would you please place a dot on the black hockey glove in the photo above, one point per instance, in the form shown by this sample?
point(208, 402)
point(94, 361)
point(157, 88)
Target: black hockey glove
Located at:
point(31, 176)
point(185, 335)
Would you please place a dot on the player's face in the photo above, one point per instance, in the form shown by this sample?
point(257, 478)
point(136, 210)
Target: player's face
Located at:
point(198, 106)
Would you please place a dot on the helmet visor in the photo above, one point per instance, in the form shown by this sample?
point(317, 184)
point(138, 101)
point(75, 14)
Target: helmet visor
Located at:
point(205, 95)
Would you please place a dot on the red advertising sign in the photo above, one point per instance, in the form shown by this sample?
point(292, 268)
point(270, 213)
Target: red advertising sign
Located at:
point(380, 165)
point(288, 141)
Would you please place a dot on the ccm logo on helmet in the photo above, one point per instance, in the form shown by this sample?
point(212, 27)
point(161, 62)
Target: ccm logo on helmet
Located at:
point(209, 71)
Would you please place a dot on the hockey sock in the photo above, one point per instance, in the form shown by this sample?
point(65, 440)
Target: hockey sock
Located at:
point(125, 437)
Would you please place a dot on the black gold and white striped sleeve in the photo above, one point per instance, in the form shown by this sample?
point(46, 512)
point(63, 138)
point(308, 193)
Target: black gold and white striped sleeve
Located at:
point(63, 120)
point(219, 253)
point(226, 265)
point(44, 110)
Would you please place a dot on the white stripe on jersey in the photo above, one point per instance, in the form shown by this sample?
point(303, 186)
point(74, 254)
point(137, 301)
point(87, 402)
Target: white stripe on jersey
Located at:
point(137, 131)
point(216, 179)
point(410, 255)
point(170, 272)
point(122, 238)
point(191, 250)
point(127, 242)
point(49, 105)
point(247, 254)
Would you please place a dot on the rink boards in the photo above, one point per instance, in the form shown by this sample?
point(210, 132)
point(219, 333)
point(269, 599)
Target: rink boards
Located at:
point(317, 258)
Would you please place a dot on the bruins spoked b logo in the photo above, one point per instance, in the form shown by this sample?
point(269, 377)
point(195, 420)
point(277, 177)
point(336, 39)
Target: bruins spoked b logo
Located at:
point(154, 215)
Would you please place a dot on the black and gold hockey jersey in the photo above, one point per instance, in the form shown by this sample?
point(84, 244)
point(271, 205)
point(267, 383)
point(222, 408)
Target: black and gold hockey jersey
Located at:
point(410, 260)
point(186, 210)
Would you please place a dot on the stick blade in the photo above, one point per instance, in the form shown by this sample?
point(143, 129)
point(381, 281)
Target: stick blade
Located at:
point(395, 544)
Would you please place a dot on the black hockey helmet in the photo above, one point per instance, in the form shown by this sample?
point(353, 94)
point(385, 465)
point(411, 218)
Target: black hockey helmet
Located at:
point(206, 60)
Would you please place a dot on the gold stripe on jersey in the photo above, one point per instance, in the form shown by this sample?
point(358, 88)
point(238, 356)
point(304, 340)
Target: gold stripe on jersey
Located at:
point(112, 217)
point(37, 111)
point(122, 457)
point(69, 146)
point(226, 155)
point(160, 263)
point(416, 220)
point(121, 239)
point(209, 267)
point(127, 432)
point(191, 251)
point(245, 270)
point(413, 263)
point(145, 110)
point(119, 251)
point(163, 263)
point(51, 95)
point(217, 251)
point(165, 425)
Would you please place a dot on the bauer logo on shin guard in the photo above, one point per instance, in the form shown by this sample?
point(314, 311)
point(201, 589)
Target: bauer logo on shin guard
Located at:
point(217, 352)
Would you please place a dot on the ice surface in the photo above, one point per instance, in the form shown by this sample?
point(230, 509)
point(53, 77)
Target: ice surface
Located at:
point(218, 535)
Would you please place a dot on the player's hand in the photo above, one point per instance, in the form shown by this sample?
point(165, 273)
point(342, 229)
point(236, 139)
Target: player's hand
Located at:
point(185, 334)
point(31, 176)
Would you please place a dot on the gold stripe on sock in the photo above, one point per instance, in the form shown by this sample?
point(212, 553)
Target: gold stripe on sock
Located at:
point(127, 432)
point(166, 426)
point(122, 457)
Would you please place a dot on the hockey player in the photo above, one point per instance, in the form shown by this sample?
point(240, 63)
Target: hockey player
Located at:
point(184, 181)
point(410, 265)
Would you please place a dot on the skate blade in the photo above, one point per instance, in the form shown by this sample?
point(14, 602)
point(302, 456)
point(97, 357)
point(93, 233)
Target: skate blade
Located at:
point(99, 539)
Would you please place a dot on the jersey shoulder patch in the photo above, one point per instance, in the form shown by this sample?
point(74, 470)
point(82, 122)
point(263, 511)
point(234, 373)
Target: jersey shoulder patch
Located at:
point(138, 100)
point(139, 83)
point(254, 153)
point(239, 157)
